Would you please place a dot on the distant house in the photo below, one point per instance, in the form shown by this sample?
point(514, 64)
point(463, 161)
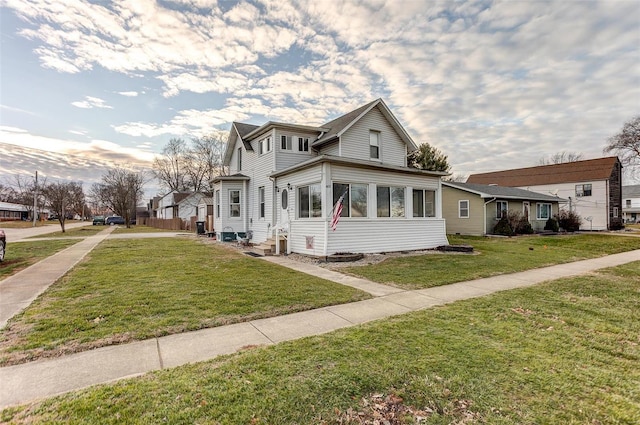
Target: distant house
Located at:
point(631, 203)
point(168, 204)
point(592, 188)
point(188, 206)
point(286, 179)
point(475, 209)
point(13, 212)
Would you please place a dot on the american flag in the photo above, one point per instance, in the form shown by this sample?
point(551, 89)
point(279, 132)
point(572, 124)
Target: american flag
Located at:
point(337, 210)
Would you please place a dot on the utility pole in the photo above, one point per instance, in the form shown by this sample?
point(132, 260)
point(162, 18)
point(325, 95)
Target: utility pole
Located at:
point(35, 201)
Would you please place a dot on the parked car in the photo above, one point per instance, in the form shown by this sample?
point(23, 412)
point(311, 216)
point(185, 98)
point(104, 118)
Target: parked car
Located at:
point(115, 219)
point(3, 245)
point(99, 219)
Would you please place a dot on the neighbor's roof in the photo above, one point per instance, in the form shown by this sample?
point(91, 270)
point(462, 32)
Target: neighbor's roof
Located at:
point(491, 191)
point(568, 172)
point(8, 206)
point(631, 191)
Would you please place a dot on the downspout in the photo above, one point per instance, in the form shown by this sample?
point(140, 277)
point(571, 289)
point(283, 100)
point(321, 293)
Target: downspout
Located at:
point(484, 210)
point(324, 192)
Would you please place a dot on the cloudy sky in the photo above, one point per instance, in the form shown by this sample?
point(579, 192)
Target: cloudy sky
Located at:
point(88, 84)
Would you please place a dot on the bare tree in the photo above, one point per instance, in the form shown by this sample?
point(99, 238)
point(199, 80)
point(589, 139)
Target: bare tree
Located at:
point(204, 161)
point(190, 167)
point(170, 167)
point(120, 191)
point(64, 199)
point(626, 144)
point(560, 158)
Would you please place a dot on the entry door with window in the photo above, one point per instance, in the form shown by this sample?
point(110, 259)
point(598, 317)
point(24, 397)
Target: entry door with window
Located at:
point(284, 207)
point(525, 209)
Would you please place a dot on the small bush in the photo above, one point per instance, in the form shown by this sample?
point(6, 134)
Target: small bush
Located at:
point(569, 220)
point(503, 228)
point(524, 227)
point(552, 224)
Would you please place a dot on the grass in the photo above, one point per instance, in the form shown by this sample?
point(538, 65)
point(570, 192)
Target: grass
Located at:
point(560, 352)
point(20, 255)
point(77, 232)
point(143, 229)
point(495, 256)
point(141, 288)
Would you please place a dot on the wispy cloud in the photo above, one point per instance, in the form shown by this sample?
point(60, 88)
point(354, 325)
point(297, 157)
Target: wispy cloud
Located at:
point(91, 102)
point(129, 93)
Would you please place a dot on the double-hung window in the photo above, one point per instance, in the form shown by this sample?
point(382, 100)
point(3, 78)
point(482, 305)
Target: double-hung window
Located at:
point(285, 143)
point(501, 209)
point(374, 144)
point(234, 203)
point(390, 201)
point(583, 190)
point(303, 144)
point(543, 211)
point(239, 160)
point(463, 209)
point(355, 200)
point(261, 200)
point(309, 201)
point(217, 204)
point(424, 203)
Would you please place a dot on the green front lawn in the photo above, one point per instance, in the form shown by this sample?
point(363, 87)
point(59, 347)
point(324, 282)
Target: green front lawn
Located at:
point(494, 256)
point(20, 255)
point(136, 289)
point(83, 231)
point(562, 352)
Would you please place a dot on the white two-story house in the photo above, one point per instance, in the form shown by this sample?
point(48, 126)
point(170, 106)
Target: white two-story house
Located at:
point(285, 179)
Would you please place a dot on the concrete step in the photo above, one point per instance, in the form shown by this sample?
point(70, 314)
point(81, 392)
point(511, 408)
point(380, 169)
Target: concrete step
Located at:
point(263, 249)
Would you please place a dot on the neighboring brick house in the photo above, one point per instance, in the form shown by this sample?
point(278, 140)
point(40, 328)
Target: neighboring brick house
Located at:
point(592, 188)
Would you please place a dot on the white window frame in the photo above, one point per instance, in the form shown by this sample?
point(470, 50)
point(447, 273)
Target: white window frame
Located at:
point(314, 188)
point(347, 210)
point(423, 199)
point(461, 209)
point(538, 210)
point(583, 189)
point(261, 202)
point(374, 143)
point(218, 203)
point(239, 159)
point(232, 204)
point(615, 212)
point(303, 144)
point(501, 212)
point(285, 143)
point(393, 190)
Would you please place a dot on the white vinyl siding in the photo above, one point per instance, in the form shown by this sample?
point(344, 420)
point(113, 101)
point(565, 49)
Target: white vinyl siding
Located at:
point(355, 142)
point(291, 156)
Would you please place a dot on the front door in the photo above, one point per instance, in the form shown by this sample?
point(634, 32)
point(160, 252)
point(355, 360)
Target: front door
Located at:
point(525, 210)
point(284, 209)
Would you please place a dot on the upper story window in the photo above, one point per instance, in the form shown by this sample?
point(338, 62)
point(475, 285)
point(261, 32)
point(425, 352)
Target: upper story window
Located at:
point(390, 201)
point(309, 201)
point(627, 203)
point(239, 159)
point(501, 209)
point(303, 144)
point(264, 145)
point(374, 144)
point(463, 209)
point(424, 203)
point(583, 190)
point(234, 203)
point(285, 143)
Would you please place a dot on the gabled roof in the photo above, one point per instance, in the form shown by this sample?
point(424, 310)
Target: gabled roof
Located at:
point(241, 129)
point(491, 191)
point(338, 126)
point(568, 172)
point(631, 191)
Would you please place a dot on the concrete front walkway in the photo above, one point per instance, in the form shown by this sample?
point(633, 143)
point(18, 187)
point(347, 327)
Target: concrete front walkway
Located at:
point(44, 378)
point(15, 235)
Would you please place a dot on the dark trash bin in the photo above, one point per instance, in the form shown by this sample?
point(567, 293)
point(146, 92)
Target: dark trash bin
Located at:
point(200, 227)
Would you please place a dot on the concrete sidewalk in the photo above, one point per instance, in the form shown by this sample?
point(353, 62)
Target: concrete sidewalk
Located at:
point(15, 235)
point(45, 378)
point(19, 290)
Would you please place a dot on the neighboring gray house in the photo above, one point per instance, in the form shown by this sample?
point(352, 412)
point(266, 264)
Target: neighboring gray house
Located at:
point(286, 178)
point(631, 203)
point(475, 209)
